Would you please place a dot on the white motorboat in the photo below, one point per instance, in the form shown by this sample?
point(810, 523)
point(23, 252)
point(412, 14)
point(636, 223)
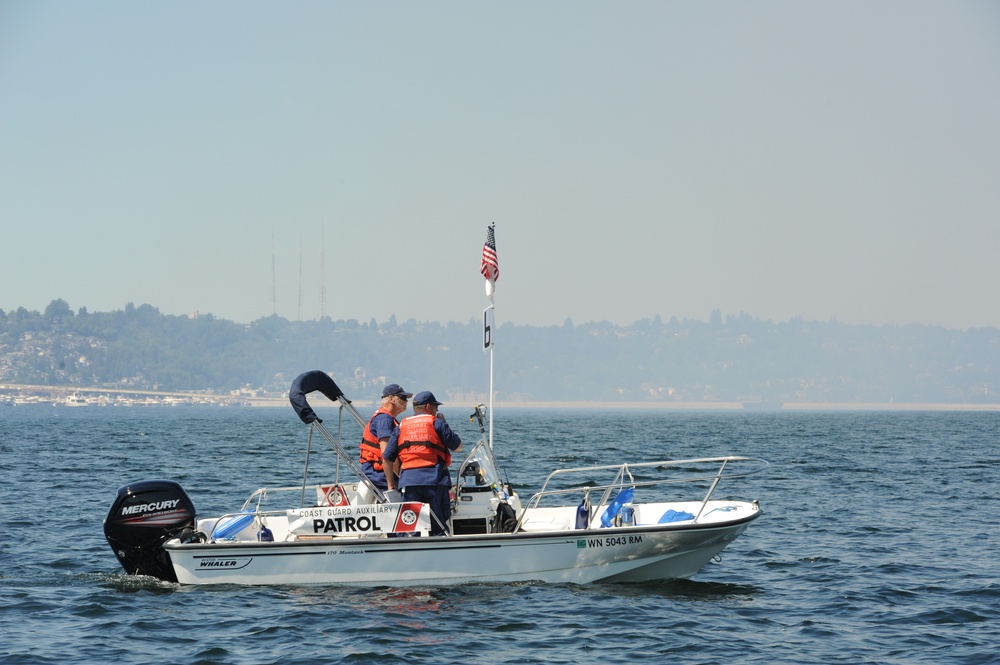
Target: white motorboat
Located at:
point(574, 529)
point(76, 399)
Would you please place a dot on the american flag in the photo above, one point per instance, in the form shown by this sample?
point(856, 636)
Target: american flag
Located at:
point(490, 268)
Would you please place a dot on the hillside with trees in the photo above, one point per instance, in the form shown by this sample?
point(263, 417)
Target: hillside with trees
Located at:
point(731, 358)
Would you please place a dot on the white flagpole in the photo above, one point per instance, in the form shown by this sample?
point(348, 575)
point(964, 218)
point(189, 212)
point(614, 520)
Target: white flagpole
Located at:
point(490, 270)
point(491, 398)
point(491, 372)
point(488, 344)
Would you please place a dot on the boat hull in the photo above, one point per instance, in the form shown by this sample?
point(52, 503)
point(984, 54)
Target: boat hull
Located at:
point(622, 554)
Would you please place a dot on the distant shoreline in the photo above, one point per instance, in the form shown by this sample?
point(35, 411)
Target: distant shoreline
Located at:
point(56, 396)
point(676, 406)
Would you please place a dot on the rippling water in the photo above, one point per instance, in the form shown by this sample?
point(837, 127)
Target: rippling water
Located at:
point(878, 545)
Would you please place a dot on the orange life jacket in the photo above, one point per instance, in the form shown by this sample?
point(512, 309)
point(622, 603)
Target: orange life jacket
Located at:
point(371, 451)
point(419, 443)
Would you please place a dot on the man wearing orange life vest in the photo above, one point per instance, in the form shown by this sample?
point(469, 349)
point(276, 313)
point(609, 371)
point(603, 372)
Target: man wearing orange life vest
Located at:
point(423, 444)
point(376, 435)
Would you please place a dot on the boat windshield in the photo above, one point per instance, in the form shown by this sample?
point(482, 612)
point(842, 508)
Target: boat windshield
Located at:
point(480, 468)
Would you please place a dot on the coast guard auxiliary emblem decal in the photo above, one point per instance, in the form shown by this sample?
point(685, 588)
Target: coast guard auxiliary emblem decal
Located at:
point(411, 518)
point(334, 495)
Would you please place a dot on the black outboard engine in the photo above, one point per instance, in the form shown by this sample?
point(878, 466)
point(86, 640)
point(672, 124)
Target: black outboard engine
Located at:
point(143, 517)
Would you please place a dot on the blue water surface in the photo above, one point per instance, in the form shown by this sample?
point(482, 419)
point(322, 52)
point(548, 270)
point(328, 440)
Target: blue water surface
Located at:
point(878, 545)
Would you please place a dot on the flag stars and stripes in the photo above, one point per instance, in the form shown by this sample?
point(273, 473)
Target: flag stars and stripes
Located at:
point(490, 266)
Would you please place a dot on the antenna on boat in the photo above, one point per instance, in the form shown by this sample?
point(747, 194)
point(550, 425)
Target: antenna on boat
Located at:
point(491, 271)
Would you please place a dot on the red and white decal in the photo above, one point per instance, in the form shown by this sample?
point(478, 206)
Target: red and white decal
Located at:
point(334, 495)
point(408, 519)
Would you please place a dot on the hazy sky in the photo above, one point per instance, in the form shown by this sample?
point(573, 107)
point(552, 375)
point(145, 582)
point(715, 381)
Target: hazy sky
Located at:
point(829, 160)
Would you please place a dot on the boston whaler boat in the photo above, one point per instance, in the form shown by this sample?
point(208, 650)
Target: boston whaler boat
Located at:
point(615, 523)
point(575, 529)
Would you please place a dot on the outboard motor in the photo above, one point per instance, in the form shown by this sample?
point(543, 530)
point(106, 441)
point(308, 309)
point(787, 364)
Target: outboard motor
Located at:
point(143, 517)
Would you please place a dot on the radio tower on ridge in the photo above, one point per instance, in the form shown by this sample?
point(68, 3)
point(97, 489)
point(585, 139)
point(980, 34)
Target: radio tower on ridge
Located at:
point(274, 278)
point(322, 274)
point(300, 280)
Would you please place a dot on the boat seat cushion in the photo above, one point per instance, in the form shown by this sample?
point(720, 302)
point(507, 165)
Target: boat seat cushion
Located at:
point(675, 516)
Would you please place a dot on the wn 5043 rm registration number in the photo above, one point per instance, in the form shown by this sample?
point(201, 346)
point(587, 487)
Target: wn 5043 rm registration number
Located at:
point(609, 541)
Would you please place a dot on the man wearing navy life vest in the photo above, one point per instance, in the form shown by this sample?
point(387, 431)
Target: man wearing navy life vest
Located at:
point(376, 435)
point(423, 444)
